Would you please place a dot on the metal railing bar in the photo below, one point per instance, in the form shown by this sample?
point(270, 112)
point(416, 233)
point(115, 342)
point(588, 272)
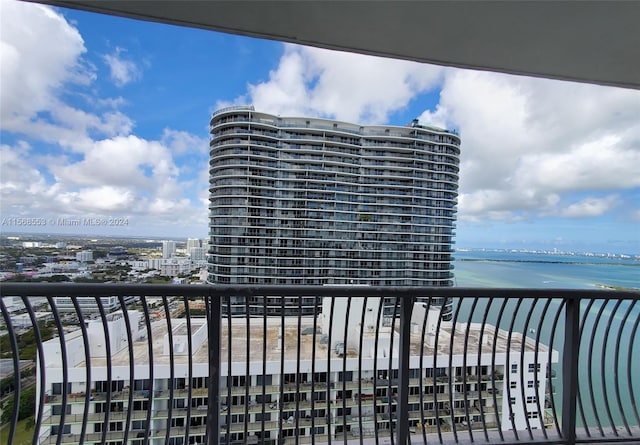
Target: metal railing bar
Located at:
point(616, 360)
point(313, 375)
point(264, 370)
point(127, 323)
point(570, 393)
point(406, 310)
point(362, 327)
point(525, 330)
point(375, 367)
point(147, 321)
point(629, 381)
point(435, 376)
point(87, 357)
point(493, 380)
point(282, 350)
point(299, 358)
point(464, 367)
point(16, 366)
point(110, 289)
point(247, 371)
point(41, 367)
point(344, 367)
point(329, 340)
point(552, 336)
point(602, 366)
point(508, 362)
point(536, 355)
point(390, 373)
point(605, 440)
point(590, 366)
point(450, 370)
point(172, 368)
point(65, 370)
point(506, 371)
point(230, 372)
point(189, 368)
point(107, 346)
point(422, 369)
point(213, 309)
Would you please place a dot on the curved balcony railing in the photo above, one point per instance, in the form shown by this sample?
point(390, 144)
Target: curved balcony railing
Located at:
point(373, 365)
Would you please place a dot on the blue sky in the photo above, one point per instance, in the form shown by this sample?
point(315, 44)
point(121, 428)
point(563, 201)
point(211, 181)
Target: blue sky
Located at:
point(104, 117)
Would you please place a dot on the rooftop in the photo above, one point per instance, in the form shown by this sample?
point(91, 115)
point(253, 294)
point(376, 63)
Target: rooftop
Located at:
point(298, 333)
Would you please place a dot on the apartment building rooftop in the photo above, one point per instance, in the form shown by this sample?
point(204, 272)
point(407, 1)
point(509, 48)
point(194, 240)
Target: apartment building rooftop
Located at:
point(242, 335)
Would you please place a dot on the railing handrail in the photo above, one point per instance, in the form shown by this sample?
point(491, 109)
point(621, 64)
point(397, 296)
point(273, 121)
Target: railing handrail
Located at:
point(109, 289)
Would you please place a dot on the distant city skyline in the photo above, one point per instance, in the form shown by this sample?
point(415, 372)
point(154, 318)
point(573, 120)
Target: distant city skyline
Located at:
point(104, 130)
point(53, 237)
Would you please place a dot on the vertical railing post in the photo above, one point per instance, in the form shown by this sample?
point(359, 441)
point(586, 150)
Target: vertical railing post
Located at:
point(213, 404)
point(570, 369)
point(16, 370)
point(402, 407)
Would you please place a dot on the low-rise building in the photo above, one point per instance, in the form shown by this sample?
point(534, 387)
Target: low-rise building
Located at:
point(23, 321)
point(198, 254)
point(84, 256)
point(89, 304)
point(175, 266)
point(293, 376)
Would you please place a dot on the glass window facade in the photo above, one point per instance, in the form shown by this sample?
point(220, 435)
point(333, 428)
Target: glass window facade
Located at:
point(299, 201)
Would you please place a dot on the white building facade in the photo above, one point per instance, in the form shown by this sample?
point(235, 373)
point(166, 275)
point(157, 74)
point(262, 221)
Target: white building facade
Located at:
point(168, 249)
point(84, 256)
point(318, 388)
point(198, 254)
point(89, 304)
point(193, 243)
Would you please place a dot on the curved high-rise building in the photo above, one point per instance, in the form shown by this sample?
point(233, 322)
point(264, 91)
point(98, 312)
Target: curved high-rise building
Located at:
point(298, 201)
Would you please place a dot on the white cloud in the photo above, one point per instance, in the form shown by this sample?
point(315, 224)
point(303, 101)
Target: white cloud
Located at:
point(528, 142)
point(40, 53)
point(23, 187)
point(603, 164)
point(97, 200)
point(351, 87)
point(41, 58)
point(589, 207)
point(181, 142)
point(122, 71)
point(90, 163)
point(122, 161)
point(124, 176)
point(161, 205)
point(507, 205)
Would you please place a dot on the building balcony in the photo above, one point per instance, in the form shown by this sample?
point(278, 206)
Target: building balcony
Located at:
point(372, 364)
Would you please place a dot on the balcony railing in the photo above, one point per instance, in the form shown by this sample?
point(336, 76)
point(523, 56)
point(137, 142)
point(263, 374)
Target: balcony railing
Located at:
point(375, 365)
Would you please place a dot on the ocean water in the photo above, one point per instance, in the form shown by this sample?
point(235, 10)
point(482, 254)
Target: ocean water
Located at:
point(609, 350)
point(517, 269)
